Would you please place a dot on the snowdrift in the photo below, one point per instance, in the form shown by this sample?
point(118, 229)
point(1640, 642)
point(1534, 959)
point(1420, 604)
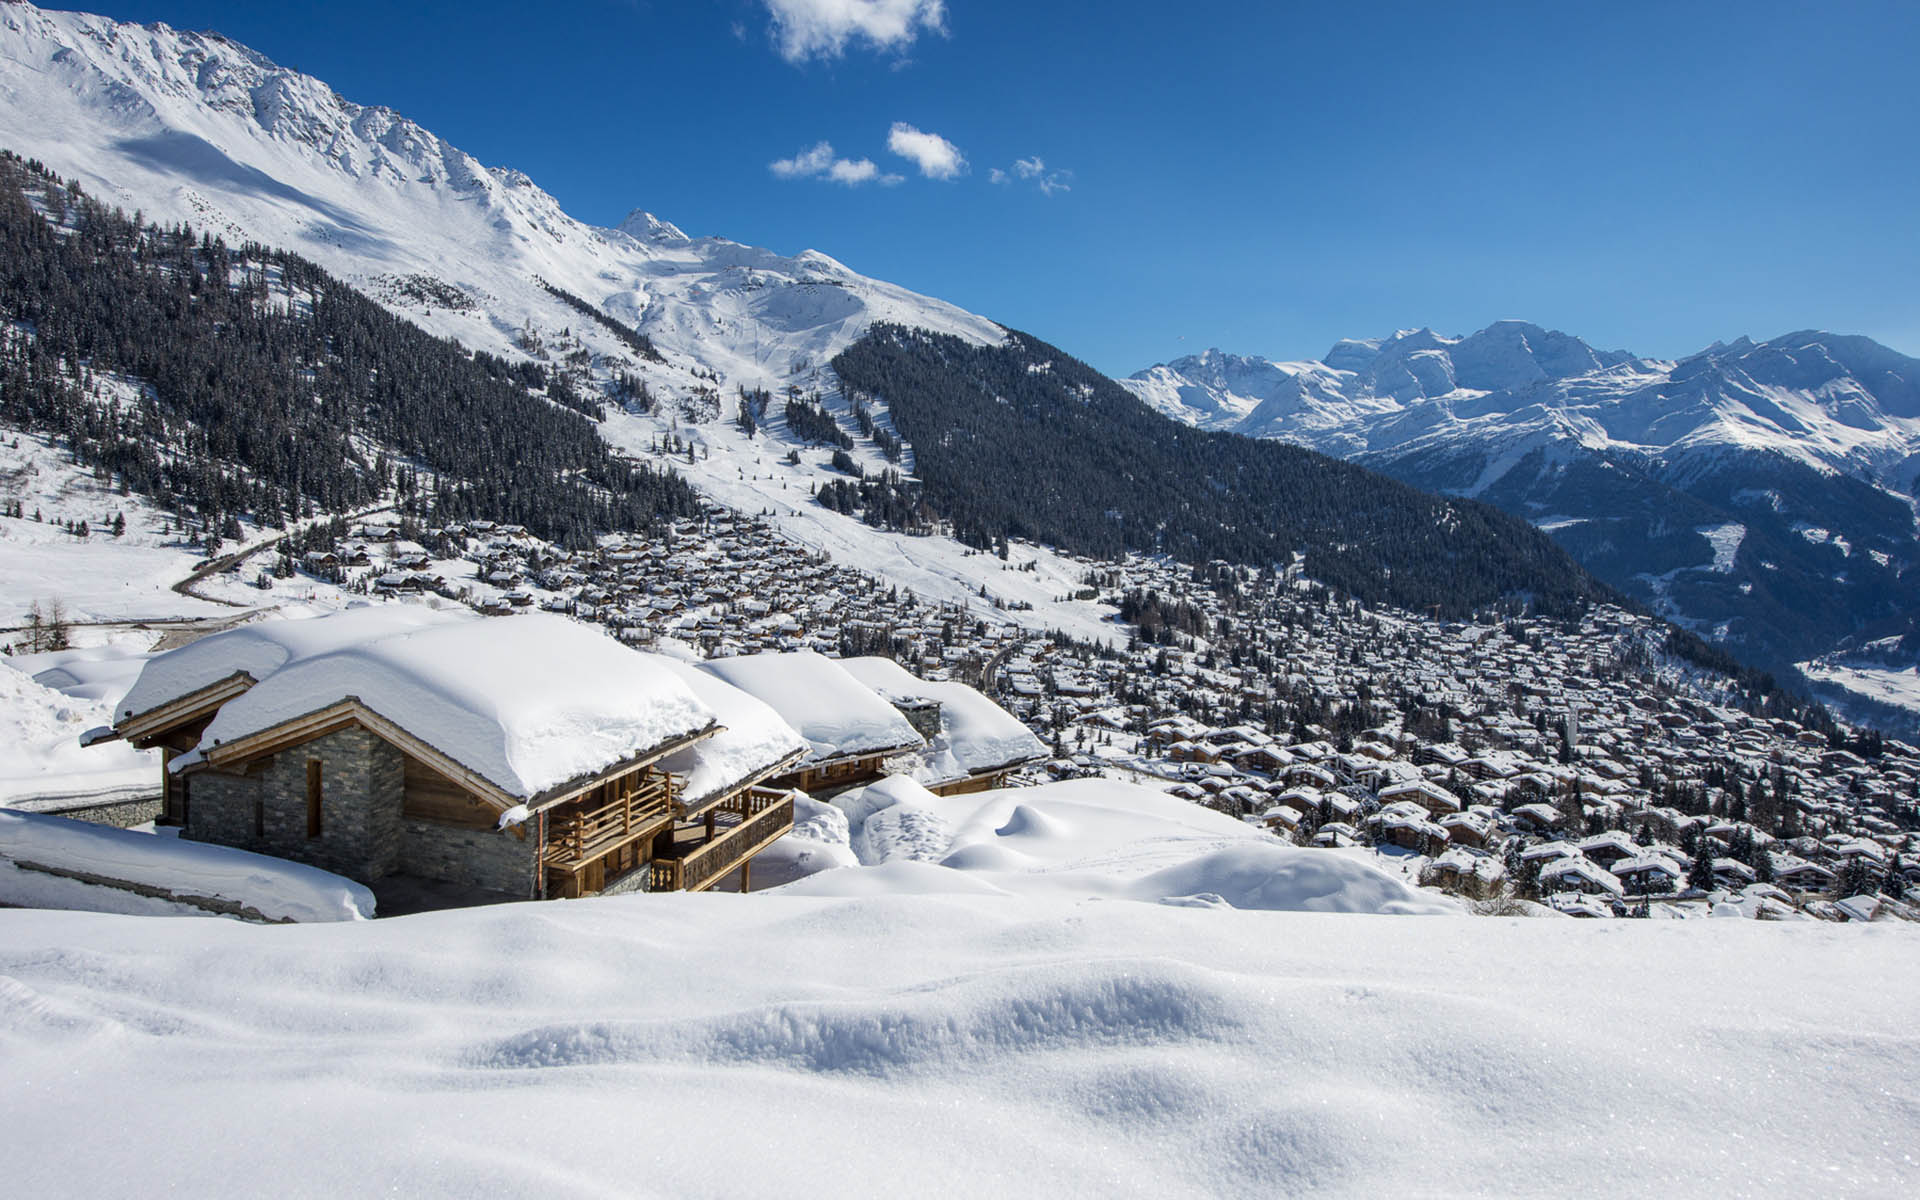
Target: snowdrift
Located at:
point(187, 874)
point(958, 1045)
point(1092, 838)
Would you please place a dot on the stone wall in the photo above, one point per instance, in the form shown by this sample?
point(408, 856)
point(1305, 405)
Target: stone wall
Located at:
point(500, 861)
point(220, 809)
point(361, 782)
point(924, 716)
point(121, 814)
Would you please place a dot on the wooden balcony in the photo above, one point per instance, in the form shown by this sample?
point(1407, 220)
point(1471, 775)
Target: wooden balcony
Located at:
point(741, 827)
point(622, 812)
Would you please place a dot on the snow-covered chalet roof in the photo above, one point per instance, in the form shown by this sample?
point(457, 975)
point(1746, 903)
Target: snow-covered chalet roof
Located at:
point(260, 649)
point(833, 711)
point(526, 703)
point(975, 732)
point(751, 742)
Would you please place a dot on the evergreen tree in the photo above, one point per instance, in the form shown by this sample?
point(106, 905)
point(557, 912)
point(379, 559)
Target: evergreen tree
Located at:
point(1700, 873)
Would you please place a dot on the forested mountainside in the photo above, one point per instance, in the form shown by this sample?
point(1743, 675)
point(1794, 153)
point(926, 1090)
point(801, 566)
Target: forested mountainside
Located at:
point(228, 380)
point(1021, 440)
point(1732, 549)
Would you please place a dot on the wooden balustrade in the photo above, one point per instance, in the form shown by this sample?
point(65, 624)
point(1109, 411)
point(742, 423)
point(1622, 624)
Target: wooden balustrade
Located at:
point(760, 815)
point(576, 835)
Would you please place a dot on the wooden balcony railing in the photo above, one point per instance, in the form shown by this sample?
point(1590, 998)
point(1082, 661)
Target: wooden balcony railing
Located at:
point(759, 816)
point(578, 835)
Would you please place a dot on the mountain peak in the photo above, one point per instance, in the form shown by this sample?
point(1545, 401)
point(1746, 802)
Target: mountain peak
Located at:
point(646, 227)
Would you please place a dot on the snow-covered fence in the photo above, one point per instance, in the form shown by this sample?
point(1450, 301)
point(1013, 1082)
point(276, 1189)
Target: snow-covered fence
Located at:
point(215, 879)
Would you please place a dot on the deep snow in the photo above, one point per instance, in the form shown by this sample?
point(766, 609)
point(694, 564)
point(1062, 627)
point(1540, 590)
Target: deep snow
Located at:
point(273, 887)
point(714, 1045)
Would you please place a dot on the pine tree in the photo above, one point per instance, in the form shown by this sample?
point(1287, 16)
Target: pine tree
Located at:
point(1700, 873)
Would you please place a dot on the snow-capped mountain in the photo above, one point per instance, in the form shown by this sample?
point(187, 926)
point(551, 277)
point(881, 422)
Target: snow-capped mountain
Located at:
point(1762, 492)
point(193, 127)
point(1832, 402)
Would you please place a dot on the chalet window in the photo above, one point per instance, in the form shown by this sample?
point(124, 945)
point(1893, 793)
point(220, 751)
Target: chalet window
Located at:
point(259, 816)
point(313, 797)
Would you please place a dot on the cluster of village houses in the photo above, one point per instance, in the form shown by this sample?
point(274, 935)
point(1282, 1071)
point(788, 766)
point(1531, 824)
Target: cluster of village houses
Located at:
point(1571, 762)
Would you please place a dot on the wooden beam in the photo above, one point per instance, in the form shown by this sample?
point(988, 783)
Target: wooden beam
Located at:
point(778, 769)
point(158, 720)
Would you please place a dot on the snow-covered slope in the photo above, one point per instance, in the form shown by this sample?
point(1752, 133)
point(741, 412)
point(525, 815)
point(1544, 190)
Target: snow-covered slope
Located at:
point(194, 127)
point(710, 1045)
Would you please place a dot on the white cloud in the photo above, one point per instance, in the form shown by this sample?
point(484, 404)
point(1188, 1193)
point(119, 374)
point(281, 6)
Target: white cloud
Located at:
point(1050, 182)
point(805, 163)
point(936, 157)
point(819, 162)
point(805, 29)
point(861, 170)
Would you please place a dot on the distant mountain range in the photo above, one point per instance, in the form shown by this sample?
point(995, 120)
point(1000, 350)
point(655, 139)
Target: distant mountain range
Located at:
point(1762, 493)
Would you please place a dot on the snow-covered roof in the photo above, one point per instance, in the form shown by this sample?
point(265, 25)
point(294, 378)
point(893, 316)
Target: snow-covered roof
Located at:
point(752, 740)
point(260, 649)
point(833, 711)
point(978, 734)
point(527, 703)
point(888, 679)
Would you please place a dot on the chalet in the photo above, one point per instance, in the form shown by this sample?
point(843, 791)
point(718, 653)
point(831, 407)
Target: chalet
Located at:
point(1267, 760)
point(1282, 818)
point(1474, 828)
point(1609, 848)
point(1430, 796)
point(1405, 824)
point(850, 731)
point(1650, 874)
point(1335, 834)
point(525, 759)
point(1580, 875)
point(1470, 872)
point(1309, 775)
point(1168, 730)
point(1538, 817)
point(1801, 875)
point(1546, 853)
point(1193, 752)
point(976, 744)
point(1732, 874)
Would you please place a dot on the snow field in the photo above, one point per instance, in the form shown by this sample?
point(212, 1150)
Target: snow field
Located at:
point(40, 726)
point(707, 1045)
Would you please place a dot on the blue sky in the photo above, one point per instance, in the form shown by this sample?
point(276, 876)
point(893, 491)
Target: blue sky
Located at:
point(1263, 177)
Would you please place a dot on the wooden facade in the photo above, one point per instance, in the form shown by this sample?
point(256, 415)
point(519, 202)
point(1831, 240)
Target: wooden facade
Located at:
point(836, 774)
point(603, 837)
